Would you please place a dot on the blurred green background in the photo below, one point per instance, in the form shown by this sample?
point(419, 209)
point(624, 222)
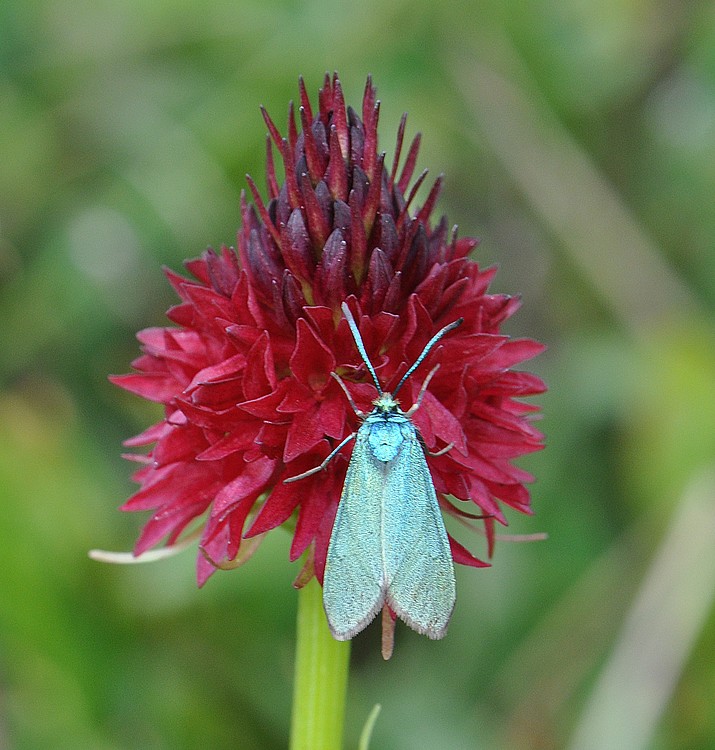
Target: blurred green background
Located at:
point(578, 140)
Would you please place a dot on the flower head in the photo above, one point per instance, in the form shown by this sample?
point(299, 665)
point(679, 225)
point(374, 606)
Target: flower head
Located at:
point(244, 373)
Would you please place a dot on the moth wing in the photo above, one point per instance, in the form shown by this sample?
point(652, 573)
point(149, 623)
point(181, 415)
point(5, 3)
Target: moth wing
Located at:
point(353, 585)
point(421, 588)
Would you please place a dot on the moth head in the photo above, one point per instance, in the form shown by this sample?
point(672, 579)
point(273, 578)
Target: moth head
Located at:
point(386, 404)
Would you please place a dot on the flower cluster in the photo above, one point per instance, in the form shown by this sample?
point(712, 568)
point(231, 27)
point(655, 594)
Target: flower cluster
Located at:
point(244, 373)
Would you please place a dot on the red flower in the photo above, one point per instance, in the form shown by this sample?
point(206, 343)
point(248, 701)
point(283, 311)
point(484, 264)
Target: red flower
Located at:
point(244, 374)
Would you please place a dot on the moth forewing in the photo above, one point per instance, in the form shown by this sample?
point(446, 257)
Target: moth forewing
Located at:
point(353, 585)
point(421, 587)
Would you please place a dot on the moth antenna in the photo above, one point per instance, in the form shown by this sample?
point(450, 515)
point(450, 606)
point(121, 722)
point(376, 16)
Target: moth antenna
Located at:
point(360, 346)
point(442, 332)
point(341, 383)
point(421, 394)
point(324, 463)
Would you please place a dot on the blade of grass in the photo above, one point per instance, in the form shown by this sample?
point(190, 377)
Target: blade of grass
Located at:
point(576, 202)
point(660, 630)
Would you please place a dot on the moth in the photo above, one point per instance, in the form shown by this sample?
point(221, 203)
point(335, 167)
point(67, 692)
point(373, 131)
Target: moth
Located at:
point(388, 545)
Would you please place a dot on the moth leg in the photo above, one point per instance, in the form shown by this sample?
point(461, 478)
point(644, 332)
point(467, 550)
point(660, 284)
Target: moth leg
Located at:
point(441, 451)
point(341, 383)
point(422, 392)
point(325, 462)
point(428, 452)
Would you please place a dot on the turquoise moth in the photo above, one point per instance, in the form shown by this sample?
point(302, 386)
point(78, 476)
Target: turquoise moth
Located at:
point(389, 546)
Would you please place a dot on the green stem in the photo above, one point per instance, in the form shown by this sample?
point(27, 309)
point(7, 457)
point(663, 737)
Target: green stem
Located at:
point(321, 677)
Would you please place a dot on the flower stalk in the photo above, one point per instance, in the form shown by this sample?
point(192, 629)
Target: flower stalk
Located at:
point(321, 677)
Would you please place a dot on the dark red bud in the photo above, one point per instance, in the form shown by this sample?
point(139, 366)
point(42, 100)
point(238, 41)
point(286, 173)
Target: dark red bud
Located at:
point(437, 242)
point(316, 215)
point(288, 154)
point(369, 155)
point(297, 247)
point(283, 208)
point(426, 210)
point(368, 100)
point(337, 174)
point(358, 241)
point(409, 168)
point(385, 236)
point(292, 130)
point(325, 99)
point(305, 99)
point(379, 276)
point(272, 129)
point(271, 179)
point(259, 263)
point(293, 299)
point(372, 200)
point(262, 211)
point(398, 149)
point(342, 218)
point(331, 274)
point(339, 117)
point(414, 266)
point(314, 160)
point(357, 143)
